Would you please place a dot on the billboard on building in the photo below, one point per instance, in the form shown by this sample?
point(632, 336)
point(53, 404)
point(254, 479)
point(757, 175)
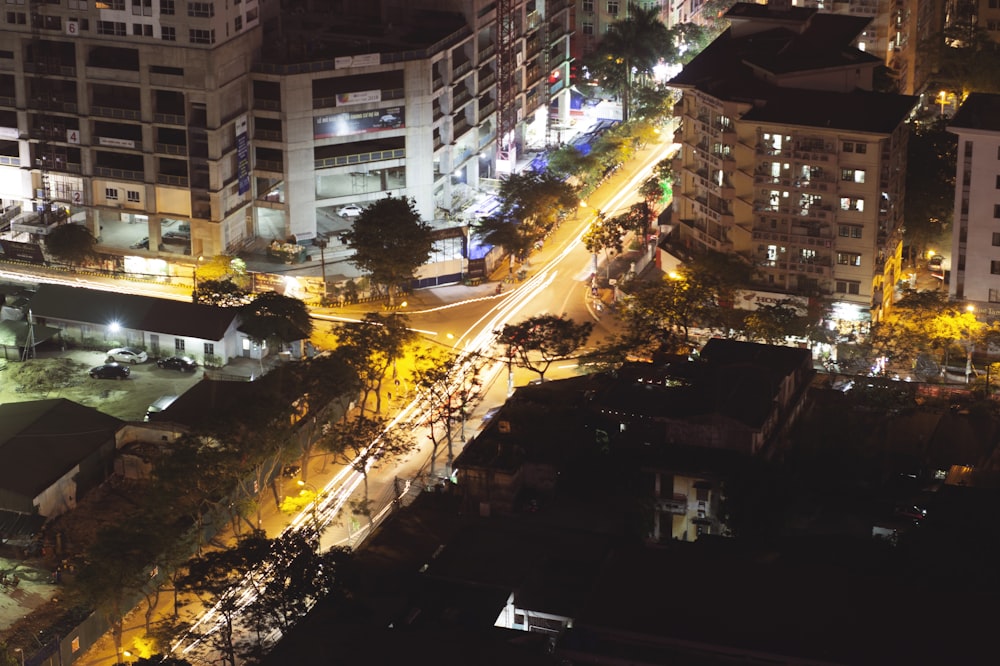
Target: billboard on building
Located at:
point(15, 251)
point(358, 122)
point(750, 299)
point(359, 97)
point(242, 155)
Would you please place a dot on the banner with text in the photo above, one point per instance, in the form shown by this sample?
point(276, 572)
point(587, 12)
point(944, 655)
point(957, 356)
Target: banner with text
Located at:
point(358, 122)
point(242, 155)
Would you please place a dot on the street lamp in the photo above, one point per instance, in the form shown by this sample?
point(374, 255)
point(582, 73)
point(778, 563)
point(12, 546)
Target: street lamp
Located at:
point(302, 484)
point(942, 100)
point(20, 651)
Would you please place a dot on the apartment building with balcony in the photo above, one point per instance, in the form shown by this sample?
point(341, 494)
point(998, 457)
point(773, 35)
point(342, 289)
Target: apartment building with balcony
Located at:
point(204, 125)
point(895, 33)
point(975, 243)
point(593, 17)
point(789, 160)
point(123, 112)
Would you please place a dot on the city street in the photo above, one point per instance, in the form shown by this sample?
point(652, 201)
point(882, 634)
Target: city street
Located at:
point(464, 319)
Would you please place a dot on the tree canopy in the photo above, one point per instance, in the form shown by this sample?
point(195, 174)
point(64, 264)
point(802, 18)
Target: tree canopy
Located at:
point(390, 242)
point(71, 244)
point(930, 185)
point(274, 317)
point(371, 347)
point(531, 204)
point(221, 293)
point(538, 341)
point(630, 48)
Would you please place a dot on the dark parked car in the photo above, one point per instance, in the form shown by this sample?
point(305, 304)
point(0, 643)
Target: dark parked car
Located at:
point(110, 371)
point(182, 363)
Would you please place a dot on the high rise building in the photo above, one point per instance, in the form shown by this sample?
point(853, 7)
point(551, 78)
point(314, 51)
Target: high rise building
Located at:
point(975, 243)
point(207, 125)
point(789, 159)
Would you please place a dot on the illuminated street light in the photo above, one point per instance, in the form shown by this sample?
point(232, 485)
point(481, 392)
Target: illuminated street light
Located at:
point(20, 651)
point(942, 100)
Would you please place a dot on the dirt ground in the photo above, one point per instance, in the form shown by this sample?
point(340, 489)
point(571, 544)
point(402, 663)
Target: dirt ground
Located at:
point(64, 375)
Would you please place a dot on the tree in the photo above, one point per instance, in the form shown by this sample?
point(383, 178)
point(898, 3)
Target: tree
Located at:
point(505, 231)
point(606, 235)
point(390, 242)
point(664, 311)
point(372, 346)
point(930, 185)
point(118, 565)
point(539, 341)
point(449, 384)
point(366, 444)
point(652, 102)
point(657, 190)
point(215, 578)
point(298, 575)
point(537, 199)
point(630, 47)
point(224, 268)
point(72, 244)
point(690, 39)
point(772, 324)
point(569, 161)
point(221, 293)
point(274, 317)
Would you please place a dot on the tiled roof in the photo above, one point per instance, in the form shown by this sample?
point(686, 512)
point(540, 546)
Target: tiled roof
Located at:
point(140, 313)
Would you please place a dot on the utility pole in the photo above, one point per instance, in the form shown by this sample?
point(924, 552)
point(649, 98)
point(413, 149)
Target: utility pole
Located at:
point(321, 243)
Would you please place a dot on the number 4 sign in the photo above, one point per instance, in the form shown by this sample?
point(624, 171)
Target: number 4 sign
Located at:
point(73, 136)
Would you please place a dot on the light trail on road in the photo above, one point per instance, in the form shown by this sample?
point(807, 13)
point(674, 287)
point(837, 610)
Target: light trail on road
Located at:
point(480, 340)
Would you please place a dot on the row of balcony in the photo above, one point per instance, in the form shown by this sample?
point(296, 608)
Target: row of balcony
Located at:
point(802, 237)
point(358, 158)
point(794, 267)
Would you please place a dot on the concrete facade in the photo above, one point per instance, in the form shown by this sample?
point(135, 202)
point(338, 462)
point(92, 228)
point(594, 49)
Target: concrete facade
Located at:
point(789, 162)
point(210, 125)
point(975, 244)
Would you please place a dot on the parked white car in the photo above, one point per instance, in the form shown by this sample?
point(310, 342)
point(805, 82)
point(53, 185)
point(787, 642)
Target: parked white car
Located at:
point(127, 355)
point(350, 210)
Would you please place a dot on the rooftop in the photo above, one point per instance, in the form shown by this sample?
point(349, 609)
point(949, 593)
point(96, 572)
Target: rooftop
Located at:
point(315, 36)
point(979, 111)
point(41, 440)
point(138, 313)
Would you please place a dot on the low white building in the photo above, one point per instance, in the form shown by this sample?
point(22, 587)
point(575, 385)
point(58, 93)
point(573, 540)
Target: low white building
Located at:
point(162, 327)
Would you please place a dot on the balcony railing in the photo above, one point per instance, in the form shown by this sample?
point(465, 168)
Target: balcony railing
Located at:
point(267, 104)
point(124, 174)
point(361, 158)
point(113, 112)
point(267, 135)
point(168, 119)
point(269, 165)
point(170, 149)
point(176, 181)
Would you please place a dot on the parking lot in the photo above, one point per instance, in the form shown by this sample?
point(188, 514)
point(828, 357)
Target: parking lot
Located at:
point(60, 374)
